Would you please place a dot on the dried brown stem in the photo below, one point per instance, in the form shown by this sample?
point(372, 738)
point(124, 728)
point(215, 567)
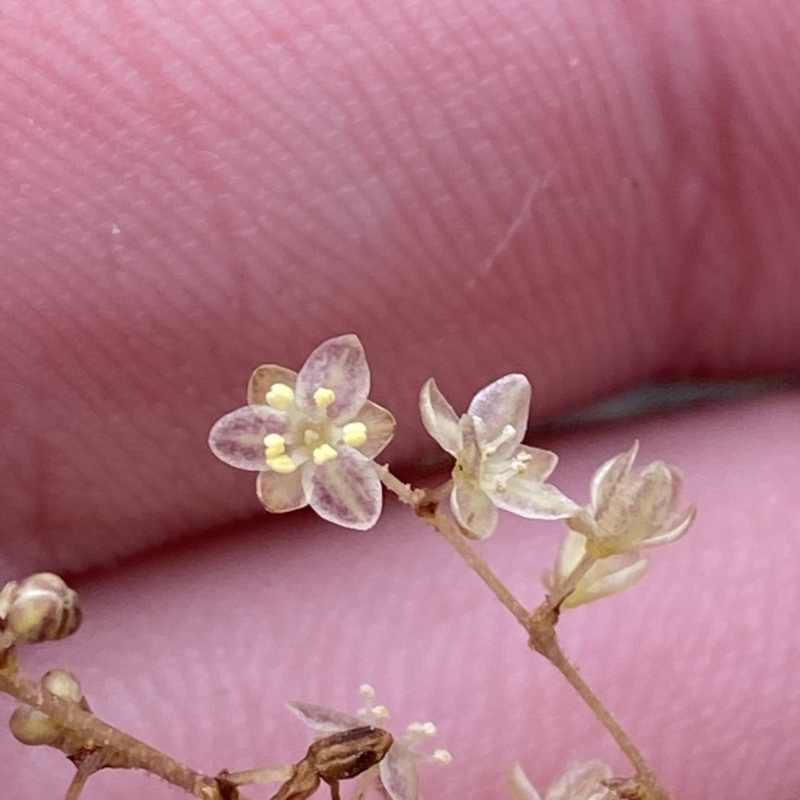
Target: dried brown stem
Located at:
point(99, 735)
point(539, 624)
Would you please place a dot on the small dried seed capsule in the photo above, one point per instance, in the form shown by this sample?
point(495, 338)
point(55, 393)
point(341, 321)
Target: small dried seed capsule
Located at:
point(43, 608)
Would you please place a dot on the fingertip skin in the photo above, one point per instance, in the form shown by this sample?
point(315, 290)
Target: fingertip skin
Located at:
point(589, 193)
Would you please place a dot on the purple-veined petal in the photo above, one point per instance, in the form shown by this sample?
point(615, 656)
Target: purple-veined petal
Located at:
point(473, 509)
point(581, 782)
point(677, 528)
point(322, 719)
point(520, 786)
point(507, 401)
point(238, 438)
point(438, 417)
point(380, 428)
point(607, 477)
point(345, 490)
point(399, 774)
point(339, 364)
point(647, 501)
point(262, 379)
point(280, 493)
point(530, 498)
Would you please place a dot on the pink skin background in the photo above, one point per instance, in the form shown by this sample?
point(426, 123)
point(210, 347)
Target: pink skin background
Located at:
point(593, 192)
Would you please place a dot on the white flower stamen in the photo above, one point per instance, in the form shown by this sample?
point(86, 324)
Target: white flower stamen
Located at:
point(442, 756)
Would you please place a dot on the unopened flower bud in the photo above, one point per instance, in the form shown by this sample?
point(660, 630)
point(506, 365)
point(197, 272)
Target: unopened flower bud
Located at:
point(30, 726)
point(63, 683)
point(43, 608)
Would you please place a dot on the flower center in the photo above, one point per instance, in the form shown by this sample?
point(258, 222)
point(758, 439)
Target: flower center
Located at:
point(307, 438)
point(516, 465)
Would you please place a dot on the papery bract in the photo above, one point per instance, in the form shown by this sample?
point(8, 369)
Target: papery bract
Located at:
point(632, 508)
point(312, 435)
point(494, 470)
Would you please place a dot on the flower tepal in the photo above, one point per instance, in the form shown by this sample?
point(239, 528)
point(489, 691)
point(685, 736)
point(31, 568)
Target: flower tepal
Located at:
point(632, 508)
point(494, 470)
point(312, 435)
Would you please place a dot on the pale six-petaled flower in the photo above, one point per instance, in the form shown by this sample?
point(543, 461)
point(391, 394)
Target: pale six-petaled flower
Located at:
point(312, 435)
point(631, 509)
point(493, 468)
point(578, 782)
point(397, 774)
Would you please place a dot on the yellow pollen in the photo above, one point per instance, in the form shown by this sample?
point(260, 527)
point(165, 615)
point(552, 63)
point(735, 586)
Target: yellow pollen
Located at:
point(323, 454)
point(280, 396)
point(354, 434)
point(310, 437)
point(442, 756)
point(324, 397)
point(380, 712)
point(275, 444)
point(282, 464)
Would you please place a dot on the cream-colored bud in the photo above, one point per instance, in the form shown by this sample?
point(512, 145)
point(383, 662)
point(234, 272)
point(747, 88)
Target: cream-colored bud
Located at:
point(63, 683)
point(43, 608)
point(30, 726)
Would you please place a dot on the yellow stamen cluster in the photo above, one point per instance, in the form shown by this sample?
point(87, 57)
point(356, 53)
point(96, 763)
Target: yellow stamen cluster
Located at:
point(280, 396)
point(324, 397)
point(275, 453)
point(323, 454)
point(354, 434)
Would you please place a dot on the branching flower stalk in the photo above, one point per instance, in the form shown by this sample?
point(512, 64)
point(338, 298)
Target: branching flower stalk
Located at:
point(312, 437)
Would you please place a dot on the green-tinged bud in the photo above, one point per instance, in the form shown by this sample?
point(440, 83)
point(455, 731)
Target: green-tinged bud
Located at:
point(30, 726)
point(43, 608)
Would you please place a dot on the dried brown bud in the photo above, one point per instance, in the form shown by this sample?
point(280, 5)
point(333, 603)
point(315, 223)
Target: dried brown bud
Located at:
point(43, 608)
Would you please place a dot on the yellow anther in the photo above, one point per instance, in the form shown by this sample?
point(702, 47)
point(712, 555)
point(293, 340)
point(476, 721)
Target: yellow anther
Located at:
point(380, 712)
point(366, 691)
point(282, 464)
point(310, 437)
point(324, 397)
point(323, 454)
point(280, 396)
point(442, 756)
point(354, 434)
point(275, 444)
